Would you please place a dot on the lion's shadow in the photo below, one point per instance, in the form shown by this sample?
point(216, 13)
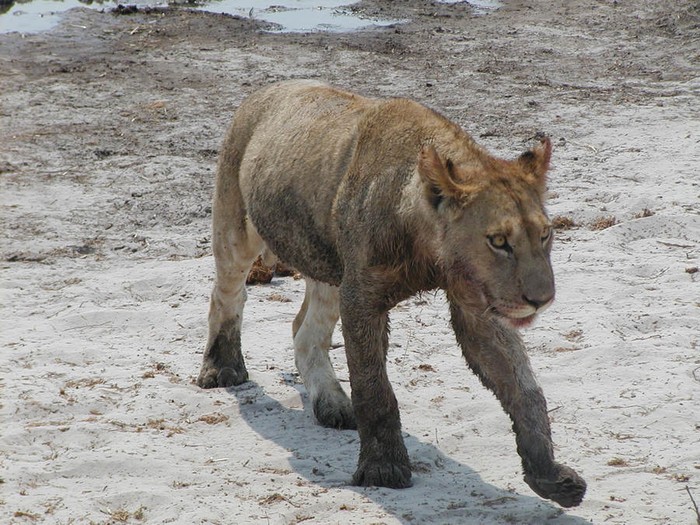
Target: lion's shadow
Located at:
point(444, 491)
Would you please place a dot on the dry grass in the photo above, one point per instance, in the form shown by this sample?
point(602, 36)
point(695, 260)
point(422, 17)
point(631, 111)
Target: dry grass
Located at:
point(123, 515)
point(259, 273)
point(279, 298)
point(273, 498)
point(574, 336)
point(213, 419)
point(140, 514)
point(438, 400)
point(155, 424)
point(120, 515)
point(682, 478)
point(602, 223)
point(646, 212)
point(618, 462)
point(84, 383)
point(160, 424)
point(262, 274)
point(28, 515)
point(164, 369)
point(562, 222)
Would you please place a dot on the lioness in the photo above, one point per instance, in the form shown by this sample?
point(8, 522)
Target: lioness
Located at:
point(373, 201)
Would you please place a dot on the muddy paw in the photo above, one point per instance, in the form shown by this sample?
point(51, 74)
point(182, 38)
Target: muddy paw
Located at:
point(383, 474)
point(211, 377)
point(564, 486)
point(334, 410)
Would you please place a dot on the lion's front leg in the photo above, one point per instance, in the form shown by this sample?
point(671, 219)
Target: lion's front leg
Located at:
point(383, 457)
point(497, 355)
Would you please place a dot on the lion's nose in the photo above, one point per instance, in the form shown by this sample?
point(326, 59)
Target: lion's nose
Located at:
point(538, 302)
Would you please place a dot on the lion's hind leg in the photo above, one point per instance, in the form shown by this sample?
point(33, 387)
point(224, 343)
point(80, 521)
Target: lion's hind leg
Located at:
point(236, 245)
point(313, 328)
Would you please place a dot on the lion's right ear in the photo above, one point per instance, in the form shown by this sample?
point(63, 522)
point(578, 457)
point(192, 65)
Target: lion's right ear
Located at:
point(535, 164)
point(438, 177)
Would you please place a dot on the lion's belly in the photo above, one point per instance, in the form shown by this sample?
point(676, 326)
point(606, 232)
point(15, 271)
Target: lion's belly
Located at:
point(288, 187)
point(286, 222)
point(292, 167)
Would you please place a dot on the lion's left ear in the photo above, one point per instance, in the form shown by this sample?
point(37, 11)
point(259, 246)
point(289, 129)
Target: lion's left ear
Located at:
point(442, 180)
point(535, 163)
point(438, 175)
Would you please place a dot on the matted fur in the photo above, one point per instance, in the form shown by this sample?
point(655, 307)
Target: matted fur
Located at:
point(373, 201)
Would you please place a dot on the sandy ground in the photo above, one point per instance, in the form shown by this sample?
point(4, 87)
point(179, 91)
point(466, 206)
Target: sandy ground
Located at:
point(109, 129)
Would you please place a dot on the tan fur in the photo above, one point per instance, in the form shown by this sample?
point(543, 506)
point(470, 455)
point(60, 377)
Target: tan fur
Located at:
point(383, 199)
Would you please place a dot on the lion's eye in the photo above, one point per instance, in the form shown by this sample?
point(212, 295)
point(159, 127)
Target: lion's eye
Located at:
point(546, 234)
point(499, 242)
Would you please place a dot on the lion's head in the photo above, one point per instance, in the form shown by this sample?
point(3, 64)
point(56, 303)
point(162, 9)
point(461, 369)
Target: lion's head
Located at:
point(494, 237)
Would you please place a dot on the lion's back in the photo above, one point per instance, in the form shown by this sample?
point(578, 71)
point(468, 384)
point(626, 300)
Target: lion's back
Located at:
point(306, 146)
point(300, 131)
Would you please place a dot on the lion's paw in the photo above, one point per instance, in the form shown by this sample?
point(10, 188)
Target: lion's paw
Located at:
point(212, 377)
point(383, 474)
point(334, 410)
point(564, 486)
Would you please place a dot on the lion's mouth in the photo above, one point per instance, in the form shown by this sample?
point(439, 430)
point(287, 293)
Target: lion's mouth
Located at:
point(515, 316)
point(518, 322)
point(512, 314)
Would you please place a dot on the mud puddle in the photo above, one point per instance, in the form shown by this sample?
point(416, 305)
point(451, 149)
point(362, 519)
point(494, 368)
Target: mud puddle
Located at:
point(480, 6)
point(288, 15)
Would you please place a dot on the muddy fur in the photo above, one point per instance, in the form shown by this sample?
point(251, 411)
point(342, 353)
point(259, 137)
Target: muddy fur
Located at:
point(373, 201)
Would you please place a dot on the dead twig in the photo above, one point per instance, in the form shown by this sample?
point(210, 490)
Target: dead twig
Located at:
point(676, 245)
point(592, 148)
point(697, 512)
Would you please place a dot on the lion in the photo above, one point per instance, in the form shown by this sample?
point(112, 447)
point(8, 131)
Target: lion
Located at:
point(373, 201)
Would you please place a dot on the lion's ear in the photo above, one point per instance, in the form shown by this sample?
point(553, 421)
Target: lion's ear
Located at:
point(535, 163)
point(438, 177)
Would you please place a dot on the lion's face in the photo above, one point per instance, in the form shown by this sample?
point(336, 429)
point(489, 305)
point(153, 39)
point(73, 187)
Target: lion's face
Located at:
point(494, 235)
point(502, 249)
